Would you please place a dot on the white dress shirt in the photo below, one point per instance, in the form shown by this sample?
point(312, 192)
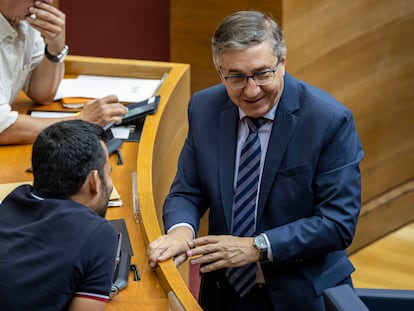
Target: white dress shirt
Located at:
point(21, 50)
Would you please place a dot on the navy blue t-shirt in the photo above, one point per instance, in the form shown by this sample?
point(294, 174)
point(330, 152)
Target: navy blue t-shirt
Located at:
point(52, 249)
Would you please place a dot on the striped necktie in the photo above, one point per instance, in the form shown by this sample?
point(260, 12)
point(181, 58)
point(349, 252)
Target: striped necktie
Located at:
point(244, 206)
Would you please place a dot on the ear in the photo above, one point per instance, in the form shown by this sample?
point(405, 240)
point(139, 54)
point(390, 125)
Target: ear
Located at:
point(283, 64)
point(94, 182)
point(90, 190)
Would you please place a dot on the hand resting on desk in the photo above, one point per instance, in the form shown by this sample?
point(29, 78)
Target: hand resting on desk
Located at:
point(100, 111)
point(103, 110)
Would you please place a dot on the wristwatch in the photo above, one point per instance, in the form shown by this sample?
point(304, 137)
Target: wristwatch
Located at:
point(57, 58)
point(260, 243)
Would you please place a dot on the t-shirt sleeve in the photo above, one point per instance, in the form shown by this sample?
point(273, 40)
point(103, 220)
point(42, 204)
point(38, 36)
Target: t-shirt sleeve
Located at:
point(96, 263)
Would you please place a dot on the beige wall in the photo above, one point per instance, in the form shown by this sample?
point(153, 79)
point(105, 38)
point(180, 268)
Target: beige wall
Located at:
point(362, 53)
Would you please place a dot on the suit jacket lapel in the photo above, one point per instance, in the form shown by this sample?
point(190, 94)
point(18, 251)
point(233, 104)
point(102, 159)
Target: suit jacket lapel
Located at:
point(283, 127)
point(227, 141)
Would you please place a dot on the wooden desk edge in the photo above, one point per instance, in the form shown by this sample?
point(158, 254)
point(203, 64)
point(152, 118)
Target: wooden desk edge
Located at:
point(178, 85)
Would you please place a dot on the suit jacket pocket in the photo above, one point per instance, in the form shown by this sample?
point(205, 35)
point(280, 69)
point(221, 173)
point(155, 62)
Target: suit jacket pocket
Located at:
point(333, 275)
point(295, 170)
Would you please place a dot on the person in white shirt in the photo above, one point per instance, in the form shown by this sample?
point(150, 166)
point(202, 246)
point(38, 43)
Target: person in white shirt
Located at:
point(32, 50)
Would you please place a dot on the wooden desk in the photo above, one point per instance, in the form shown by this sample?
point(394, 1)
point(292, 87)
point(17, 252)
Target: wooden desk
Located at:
point(154, 160)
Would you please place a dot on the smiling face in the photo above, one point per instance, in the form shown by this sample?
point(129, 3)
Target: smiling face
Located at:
point(255, 100)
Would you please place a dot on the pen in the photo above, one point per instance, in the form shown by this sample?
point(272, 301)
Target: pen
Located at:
point(120, 161)
point(109, 125)
point(118, 250)
point(135, 202)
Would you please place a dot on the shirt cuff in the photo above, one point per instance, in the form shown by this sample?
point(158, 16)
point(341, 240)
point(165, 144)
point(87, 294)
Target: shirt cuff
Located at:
point(7, 119)
point(182, 224)
point(269, 248)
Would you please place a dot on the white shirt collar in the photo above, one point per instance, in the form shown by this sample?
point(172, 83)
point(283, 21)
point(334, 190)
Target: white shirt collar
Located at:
point(6, 29)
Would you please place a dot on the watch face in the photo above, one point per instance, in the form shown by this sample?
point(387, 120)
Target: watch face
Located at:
point(261, 242)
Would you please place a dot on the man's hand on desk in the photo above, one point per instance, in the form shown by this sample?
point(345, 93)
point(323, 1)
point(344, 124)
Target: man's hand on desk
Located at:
point(100, 111)
point(174, 245)
point(103, 110)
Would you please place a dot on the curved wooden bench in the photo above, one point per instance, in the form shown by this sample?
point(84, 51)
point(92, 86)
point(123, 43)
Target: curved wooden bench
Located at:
point(161, 141)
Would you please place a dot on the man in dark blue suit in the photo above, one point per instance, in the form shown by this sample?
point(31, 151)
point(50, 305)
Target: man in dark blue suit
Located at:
point(308, 198)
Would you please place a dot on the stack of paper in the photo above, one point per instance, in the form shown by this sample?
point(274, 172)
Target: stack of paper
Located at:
point(128, 90)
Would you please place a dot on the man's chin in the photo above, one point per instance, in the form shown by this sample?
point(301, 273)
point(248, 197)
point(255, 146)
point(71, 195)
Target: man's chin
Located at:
point(255, 112)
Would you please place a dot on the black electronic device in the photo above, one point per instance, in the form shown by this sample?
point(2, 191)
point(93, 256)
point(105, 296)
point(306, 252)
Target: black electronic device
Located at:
point(123, 257)
point(136, 110)
point(112, 143)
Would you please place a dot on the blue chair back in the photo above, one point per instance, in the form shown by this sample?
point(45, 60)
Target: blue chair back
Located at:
point(387, 299)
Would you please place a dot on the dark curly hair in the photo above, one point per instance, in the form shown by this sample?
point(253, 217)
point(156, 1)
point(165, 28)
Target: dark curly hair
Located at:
point(64, 154)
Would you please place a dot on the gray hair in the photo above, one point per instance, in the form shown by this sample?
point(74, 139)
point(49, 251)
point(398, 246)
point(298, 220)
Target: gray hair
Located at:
point(244, 29)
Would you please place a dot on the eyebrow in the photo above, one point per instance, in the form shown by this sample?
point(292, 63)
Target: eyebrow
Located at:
point(237, 71)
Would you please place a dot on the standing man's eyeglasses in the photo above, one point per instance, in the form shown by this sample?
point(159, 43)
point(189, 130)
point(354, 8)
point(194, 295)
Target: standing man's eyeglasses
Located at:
point(238, 81)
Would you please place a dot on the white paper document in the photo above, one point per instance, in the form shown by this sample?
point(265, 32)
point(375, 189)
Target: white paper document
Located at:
point(121, 132)
point(127, 89)
point(51, 114)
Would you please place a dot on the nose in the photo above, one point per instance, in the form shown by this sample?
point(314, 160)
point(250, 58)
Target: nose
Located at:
point(252, 88)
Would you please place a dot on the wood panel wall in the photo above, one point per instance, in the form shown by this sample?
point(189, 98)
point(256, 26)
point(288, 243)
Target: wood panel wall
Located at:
point(192, 24)
point(362, 52)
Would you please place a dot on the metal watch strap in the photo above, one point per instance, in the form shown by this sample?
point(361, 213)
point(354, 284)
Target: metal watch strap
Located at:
point(263, 249)
point(57, 58)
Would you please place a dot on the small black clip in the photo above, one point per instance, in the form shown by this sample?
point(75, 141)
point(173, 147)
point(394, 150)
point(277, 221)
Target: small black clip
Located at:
point(120, 161)
point(134, 268)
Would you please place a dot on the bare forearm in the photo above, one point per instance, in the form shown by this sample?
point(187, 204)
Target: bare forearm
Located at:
point(45, 81)
point(25, 130)
point(51, 23)
point(100, 111)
